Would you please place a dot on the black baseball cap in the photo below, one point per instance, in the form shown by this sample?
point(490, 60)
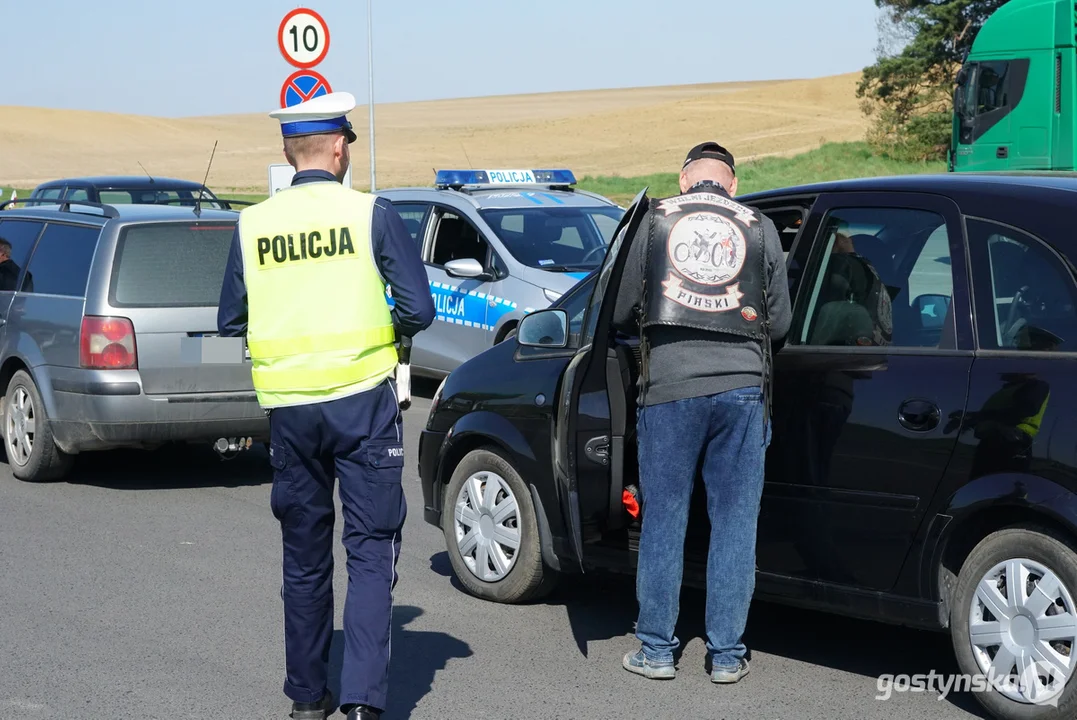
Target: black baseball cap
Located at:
point(713, 151)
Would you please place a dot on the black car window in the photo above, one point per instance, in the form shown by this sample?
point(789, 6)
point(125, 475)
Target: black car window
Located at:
point(20, 236)
point(77, 194)
point(61, 263)
point(885, 280)
point(1026, 298)
point(576, 307)
point(414, 217)
point(457, 239)
point(49, 193)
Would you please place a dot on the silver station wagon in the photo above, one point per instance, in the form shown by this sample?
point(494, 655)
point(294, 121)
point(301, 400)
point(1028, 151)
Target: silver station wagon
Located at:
point(103, 311)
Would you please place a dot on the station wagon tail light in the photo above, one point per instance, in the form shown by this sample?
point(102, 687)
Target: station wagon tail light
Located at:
point(107, 343)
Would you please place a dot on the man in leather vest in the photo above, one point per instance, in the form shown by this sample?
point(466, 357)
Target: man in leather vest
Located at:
point(705, 289)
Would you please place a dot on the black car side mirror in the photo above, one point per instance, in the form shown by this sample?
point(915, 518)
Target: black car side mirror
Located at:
point(545, 329)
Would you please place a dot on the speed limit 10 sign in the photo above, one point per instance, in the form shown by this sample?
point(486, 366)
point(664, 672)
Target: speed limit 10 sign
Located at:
point(303, 38)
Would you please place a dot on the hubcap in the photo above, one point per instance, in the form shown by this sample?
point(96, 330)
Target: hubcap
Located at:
point(1023, 629)
point(20, 427)
point(486, 521)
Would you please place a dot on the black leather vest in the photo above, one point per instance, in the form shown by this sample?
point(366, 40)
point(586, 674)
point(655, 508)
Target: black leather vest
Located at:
point(706, 266)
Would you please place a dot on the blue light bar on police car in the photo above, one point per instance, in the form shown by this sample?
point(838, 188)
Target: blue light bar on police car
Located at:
point(460, 178)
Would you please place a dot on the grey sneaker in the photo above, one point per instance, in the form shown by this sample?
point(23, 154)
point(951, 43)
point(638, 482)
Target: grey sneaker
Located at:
point(728, 675)
point(638, 663)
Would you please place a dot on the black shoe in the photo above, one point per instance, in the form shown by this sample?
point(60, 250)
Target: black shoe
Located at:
point(363, 712)
point(320, 710)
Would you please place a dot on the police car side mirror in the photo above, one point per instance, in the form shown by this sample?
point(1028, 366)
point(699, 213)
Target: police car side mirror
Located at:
point(544, 329)
point(465, 268)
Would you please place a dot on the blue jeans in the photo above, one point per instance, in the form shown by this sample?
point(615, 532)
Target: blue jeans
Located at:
point(724, 433)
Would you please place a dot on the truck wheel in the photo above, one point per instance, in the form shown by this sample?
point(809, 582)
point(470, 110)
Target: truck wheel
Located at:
point(1014, 624)
point(31, 451)
point(491, 532)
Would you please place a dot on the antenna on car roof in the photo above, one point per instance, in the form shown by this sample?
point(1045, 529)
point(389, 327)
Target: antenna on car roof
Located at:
point(145, 171)
point(469, 165)
point(202, 190)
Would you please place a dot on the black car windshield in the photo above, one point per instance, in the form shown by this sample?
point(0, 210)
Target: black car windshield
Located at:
point(565, 239)
point(150, 196)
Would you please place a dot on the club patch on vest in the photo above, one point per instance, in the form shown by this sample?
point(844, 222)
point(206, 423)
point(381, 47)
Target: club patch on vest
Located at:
point(283, 249)
point(671, 205)
point(707, 249)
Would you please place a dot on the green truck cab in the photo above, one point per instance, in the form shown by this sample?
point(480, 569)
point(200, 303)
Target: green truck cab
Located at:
point(1015, 105)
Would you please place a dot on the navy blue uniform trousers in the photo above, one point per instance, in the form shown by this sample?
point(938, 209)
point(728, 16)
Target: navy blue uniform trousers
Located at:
point(358, 440)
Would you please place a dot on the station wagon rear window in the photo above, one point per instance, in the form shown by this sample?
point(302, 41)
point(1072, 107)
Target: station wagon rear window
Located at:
point(171, 265)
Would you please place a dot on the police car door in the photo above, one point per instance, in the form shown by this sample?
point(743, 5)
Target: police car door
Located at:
point(458, 266)
point(592, 415)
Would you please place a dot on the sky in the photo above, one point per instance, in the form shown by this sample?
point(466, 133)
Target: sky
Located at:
point(202, 57)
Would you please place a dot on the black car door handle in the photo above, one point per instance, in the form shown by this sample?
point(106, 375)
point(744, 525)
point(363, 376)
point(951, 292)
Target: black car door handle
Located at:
point(919, 415)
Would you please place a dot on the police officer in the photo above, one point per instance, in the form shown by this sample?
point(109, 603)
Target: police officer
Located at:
point(705, 288)
point(306, 284)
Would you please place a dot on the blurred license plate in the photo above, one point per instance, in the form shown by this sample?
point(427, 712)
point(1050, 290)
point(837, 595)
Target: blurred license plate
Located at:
point(211, 349)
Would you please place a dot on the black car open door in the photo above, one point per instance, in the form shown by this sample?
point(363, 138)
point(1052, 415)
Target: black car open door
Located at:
point(591, 421)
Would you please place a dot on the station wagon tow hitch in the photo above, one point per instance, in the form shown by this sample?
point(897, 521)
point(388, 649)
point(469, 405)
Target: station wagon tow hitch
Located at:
point(228, 448)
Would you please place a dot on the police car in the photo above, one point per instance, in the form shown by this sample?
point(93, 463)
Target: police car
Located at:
point(497, 245)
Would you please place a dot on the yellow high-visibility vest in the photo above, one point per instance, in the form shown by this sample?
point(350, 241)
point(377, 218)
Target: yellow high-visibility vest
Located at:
point(319, 326)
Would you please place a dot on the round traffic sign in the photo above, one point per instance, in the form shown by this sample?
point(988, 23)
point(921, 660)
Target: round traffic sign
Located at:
point(303, 38)
point(303, 85)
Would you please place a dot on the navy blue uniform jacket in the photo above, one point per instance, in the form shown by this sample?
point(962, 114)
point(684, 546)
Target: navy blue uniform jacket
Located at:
point(395, 254)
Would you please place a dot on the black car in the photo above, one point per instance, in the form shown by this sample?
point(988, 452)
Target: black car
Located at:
point(133, 190)
point(923, 468)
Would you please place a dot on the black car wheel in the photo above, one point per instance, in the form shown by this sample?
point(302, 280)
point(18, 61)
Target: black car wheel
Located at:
point(1014, 624)
point(491, 532)
point(31, 451)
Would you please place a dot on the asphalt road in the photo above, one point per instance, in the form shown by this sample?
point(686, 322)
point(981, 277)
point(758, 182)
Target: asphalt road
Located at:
point(147, 586)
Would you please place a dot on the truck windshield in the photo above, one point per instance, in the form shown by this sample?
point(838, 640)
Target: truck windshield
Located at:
point(965, 100)
point(563, 239)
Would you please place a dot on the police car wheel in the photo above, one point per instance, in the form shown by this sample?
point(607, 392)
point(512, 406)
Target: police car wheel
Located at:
point(1013, 623)
point(491, 533)
point(31, 451)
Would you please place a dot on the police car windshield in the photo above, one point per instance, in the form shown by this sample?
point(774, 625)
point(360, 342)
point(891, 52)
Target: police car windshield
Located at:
point(562, 239)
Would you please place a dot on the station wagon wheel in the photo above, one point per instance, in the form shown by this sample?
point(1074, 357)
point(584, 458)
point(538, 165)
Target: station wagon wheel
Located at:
point(486, 524)
point(20, 427)
point(491, 531)
point(1014, 623)
point(31, 450)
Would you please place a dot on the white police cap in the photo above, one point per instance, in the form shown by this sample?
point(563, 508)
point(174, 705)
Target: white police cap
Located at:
point(324, 114)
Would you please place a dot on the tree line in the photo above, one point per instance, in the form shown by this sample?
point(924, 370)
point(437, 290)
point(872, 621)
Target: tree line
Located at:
point(908, 92)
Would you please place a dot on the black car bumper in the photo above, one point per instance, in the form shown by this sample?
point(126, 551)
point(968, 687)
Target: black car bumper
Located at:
point(429, 451)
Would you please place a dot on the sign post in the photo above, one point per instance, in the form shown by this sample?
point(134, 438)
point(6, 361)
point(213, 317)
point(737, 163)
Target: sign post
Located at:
point(370, 69)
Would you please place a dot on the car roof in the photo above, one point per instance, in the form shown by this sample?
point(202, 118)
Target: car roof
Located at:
point(126, 181)
point(91, 213)
point(945, 183)
point(506, 196)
